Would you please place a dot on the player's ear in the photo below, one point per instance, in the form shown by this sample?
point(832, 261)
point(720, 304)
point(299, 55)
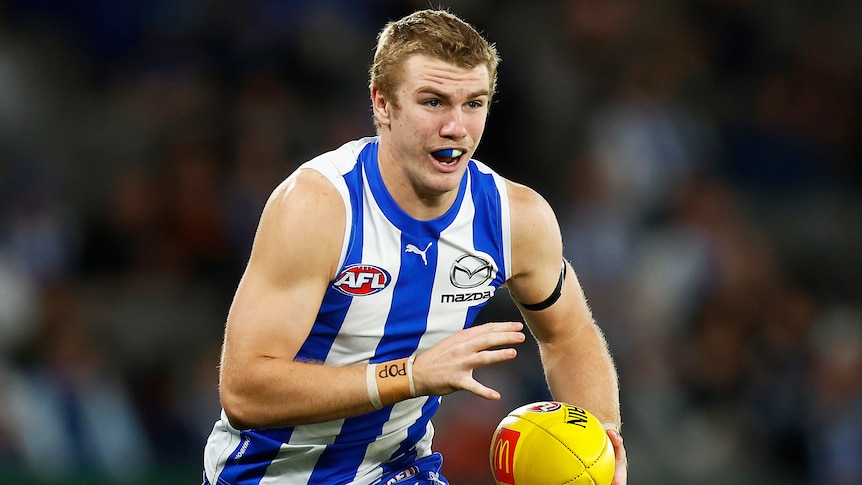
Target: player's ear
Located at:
point(380, 106)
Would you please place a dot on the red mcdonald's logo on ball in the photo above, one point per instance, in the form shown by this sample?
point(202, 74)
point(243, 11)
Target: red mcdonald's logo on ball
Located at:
point(504, 455)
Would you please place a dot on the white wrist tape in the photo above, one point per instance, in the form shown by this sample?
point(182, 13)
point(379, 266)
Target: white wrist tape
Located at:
point(410, 375)
point(371, 384)
point(390, 382)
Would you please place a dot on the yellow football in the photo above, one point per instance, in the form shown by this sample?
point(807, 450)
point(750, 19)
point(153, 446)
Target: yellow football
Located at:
point(551, 443)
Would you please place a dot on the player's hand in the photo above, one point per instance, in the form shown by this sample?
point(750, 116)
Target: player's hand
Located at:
point(448, 366)
point(621, 472)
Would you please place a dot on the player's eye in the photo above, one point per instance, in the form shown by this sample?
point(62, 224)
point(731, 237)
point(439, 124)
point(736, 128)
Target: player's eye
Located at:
point(475, 104)
point(432, 103)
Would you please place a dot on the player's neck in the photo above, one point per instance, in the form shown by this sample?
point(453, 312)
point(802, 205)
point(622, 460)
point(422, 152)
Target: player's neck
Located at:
point(414, 198)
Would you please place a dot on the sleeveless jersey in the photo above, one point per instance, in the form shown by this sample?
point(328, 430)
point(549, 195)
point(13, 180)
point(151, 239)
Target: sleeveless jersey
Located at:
point(403, 285)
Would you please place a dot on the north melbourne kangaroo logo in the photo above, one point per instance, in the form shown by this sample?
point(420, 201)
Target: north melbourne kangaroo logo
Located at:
point(421, 252)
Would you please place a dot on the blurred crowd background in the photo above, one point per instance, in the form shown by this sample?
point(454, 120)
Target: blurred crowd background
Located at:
point(703, 157)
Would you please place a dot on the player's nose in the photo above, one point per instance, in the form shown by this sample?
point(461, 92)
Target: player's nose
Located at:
point(453, 125)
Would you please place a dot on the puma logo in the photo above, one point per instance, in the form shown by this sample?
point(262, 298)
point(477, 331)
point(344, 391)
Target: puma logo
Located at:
point(435, 477)
point(421, 252)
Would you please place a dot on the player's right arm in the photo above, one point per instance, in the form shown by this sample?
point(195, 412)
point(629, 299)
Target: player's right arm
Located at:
point(293, 258)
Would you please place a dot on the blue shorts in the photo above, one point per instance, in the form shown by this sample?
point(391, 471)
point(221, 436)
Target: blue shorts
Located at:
point(424, 471)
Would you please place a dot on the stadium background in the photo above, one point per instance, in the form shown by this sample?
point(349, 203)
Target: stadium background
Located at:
point(702, 155)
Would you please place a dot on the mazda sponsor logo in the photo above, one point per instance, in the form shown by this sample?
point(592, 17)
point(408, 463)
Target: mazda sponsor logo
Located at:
point(469, 271)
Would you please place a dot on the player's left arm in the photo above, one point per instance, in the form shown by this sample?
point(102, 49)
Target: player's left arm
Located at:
point(578, 365)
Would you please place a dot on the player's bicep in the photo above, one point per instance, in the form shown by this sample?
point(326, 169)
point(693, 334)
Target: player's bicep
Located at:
point(543, 284)
point(536, 247)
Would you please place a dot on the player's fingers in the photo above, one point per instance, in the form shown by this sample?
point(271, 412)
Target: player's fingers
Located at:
point(489, 357)
point(505, 326)
point(497, 339)
point(621, 470)
point(617, 441)
point(492, 327)
point(480, 390)
point(493, 334)
point(481, 337)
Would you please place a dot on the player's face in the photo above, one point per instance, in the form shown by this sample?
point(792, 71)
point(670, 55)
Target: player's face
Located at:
point(440, 107)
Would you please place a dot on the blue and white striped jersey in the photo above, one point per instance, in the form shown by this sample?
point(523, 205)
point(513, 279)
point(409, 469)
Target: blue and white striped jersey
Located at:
point(403, 285)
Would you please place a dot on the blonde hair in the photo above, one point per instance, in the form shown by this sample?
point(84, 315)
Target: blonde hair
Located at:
point(435, 33)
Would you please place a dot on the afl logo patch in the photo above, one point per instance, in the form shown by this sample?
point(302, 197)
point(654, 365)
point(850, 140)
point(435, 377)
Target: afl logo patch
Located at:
point(361, 280)
point(469, 271)
point(545, 407)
